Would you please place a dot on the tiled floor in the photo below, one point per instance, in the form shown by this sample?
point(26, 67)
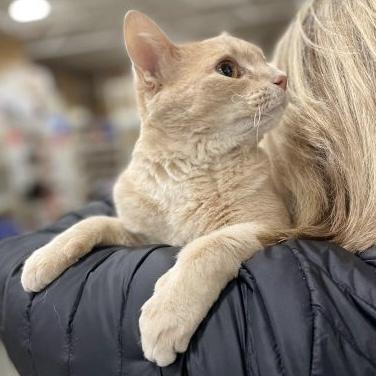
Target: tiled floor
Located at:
point(6, 367)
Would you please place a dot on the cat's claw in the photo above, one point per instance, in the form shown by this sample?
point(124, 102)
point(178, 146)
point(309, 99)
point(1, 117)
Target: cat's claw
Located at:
point(166, 323)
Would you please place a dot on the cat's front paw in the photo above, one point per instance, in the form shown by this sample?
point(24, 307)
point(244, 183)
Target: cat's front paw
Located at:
point(49, 261)
point(167, 321)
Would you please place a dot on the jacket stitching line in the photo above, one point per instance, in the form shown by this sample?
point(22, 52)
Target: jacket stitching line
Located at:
point(344, 287)
point(248, 341)
point(29, 330)
point(281, 366)
point(72, 315)
point(343, 335)
point(14, 270)
point(304, 275)
point(124, 300)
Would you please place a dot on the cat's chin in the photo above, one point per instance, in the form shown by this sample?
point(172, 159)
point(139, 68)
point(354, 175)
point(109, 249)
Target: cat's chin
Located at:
point(269, 119)
point(275, 112)
point(279, 105)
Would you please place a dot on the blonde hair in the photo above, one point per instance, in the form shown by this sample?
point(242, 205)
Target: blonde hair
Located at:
point(326, 146)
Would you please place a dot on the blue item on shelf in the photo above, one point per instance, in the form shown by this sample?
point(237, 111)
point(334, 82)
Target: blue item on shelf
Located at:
point(8, 228)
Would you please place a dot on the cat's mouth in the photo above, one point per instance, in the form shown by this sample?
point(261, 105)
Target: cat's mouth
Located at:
point(264, 117)
point(270, 112)
point(267, 116)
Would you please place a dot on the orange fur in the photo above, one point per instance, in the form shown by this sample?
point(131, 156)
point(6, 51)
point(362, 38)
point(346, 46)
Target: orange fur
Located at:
point(197, 178)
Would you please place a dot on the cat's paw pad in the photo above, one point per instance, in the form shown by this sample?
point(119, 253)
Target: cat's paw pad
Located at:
point(48, 262)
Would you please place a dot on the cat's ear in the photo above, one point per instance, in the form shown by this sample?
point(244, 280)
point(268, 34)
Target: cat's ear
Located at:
point(148, 46)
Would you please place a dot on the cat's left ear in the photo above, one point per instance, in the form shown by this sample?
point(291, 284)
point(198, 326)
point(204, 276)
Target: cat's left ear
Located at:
point(148, 46)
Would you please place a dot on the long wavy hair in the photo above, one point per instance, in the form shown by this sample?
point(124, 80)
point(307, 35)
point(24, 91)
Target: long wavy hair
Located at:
point(324, 152)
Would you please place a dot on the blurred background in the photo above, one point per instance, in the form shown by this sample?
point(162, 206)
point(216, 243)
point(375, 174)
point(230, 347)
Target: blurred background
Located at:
point(67, 112)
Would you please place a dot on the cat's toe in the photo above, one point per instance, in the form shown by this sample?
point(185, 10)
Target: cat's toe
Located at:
point(38, 271)
point(161, 353)
point(157, 337)
point(28, 276)
point(163, 333)
point(48, 262)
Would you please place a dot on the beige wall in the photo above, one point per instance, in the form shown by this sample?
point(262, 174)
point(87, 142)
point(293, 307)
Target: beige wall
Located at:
point(11, 52)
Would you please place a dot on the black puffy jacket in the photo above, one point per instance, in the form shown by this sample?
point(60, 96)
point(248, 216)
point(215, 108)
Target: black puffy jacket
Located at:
point(300, 308)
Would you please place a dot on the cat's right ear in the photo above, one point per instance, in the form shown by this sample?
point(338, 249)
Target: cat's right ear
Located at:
point(148, 46)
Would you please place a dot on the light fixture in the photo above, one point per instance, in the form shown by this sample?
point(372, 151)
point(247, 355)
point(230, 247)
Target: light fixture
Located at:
point(29, 10)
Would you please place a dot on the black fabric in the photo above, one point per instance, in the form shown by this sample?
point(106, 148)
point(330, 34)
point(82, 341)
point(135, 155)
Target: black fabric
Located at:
point(299, 308)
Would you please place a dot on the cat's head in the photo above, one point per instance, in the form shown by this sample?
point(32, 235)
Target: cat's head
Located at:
point(220, 92)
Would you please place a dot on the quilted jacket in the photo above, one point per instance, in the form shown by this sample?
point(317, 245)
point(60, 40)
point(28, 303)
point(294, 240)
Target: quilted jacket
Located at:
point(296, 309)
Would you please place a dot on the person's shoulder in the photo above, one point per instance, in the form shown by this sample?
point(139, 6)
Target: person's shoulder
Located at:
point(319, 271)
point(323, 254)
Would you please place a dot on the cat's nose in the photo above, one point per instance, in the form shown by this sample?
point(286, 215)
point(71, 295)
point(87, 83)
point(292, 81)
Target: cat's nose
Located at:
point(281, 81)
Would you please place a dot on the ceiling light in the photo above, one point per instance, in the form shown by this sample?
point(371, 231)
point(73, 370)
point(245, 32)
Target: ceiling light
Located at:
point(29, 10)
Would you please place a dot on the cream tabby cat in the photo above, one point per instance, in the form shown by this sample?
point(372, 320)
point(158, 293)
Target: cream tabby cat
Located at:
point(197, 178)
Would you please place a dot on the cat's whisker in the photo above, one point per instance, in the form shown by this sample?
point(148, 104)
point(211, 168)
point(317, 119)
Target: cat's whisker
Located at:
point(257, 130)
point(254, 120)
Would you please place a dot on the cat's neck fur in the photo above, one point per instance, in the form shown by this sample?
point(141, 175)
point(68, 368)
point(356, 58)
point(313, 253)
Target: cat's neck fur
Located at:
point(198, 154)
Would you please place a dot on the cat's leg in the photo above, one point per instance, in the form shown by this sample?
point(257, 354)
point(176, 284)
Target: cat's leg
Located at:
point(49, 261)
point(183, 296)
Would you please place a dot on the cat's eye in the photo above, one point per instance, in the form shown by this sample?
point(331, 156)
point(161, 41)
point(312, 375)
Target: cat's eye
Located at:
point(228, 68)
